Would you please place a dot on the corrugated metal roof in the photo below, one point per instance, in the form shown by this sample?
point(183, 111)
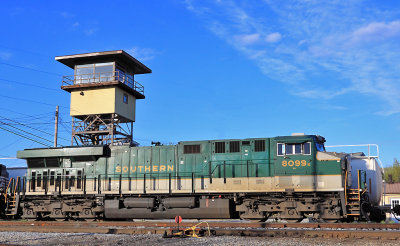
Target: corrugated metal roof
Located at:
point(392, 188)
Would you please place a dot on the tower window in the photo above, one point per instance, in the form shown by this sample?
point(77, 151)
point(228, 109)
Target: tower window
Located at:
point(94, 73)
point(125, 98)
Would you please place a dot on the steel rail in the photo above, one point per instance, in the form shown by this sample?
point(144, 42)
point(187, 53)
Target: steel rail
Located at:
point(213, 223)
point(304, 230)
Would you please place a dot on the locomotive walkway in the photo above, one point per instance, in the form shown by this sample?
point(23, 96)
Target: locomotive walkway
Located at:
point(307, 230)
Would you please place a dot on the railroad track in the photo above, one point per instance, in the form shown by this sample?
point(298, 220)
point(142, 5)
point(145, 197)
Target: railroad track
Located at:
point(232, 228)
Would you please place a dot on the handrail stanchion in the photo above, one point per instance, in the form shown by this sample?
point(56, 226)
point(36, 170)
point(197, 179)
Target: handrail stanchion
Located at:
point(210, 171)
point(193, 182)
point(224, 172)
point(144, 183)
point(84, 185)
point(24, 186)
point(99, 185)
point(169, 183)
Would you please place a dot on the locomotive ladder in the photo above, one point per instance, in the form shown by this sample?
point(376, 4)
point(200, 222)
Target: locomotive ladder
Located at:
point(353, 198)
point(11, 197)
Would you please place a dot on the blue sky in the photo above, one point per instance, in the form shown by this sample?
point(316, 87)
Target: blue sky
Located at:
point(221, 69)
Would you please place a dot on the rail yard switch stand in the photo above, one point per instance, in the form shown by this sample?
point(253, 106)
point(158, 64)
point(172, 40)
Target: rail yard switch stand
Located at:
point(193, 231)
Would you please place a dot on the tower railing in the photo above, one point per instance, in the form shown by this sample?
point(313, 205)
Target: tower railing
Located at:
point(95, 78)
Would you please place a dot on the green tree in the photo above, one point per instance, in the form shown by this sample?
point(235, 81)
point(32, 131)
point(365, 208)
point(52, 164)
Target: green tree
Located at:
point(392, 174)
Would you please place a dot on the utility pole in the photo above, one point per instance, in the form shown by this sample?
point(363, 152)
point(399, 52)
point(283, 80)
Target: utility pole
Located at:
point(56, 128)
point(73, 131)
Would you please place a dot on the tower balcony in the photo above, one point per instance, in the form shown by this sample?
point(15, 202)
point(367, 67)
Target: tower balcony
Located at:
point(105, 79)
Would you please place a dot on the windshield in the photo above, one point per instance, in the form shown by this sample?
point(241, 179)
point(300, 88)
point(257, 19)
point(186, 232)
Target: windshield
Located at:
point(320, 147)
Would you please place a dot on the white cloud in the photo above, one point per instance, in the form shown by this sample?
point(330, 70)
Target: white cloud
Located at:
point(66, 14)
point(273, 37)
point(376, 31)
point(76, 24)
point(196, 9)
point(321, 93)
point(247, 39)
point(5, 55)
point(322, 40)
point(90, 31)
point(142, 54)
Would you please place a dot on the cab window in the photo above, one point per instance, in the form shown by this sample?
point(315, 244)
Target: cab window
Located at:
point(307, 148)
point(294, 149)
point(320, 147)
point(281, 149)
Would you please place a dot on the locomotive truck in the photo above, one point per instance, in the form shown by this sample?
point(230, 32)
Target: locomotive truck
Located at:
point(288, 177)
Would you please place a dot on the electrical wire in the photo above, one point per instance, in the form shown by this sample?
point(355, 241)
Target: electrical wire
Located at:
point(28, 100)
point(27, 115)
point(29, 84)
point(33, 140)
point(32, 123)
point(26, 126)
point(27, 132)
point(33, 101)
point(28, 68)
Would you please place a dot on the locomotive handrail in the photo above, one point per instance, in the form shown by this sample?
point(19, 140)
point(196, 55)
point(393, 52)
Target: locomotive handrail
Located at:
point(66, 183)
point(359, 145)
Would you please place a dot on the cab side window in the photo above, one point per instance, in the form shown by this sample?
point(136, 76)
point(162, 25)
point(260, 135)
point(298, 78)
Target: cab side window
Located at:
point(307, 148)
point(281, 148)
point(294, 149)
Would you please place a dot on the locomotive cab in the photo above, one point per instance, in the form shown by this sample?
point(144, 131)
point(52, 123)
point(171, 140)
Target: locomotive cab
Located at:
point(296, 155)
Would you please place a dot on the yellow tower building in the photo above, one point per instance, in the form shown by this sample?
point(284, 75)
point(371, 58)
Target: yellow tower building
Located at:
point(103, 96)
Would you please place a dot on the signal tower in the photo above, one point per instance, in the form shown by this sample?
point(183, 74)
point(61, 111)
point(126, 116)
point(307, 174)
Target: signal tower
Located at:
point(103, 96)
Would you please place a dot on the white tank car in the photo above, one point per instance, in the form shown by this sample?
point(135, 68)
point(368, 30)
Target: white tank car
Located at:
point(373, 171)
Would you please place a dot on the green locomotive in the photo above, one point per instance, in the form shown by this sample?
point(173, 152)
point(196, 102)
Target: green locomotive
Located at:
point(108, 177)
point(289, 178)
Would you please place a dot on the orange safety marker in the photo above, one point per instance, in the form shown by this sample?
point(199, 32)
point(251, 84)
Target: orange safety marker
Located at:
point(178, 219)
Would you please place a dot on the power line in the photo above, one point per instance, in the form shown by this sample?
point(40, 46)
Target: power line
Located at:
point(28, 84)
point(28, 68)
point(28, 100)
point(27, 115)
point(21, 124)
point(26, 126)
point(27, 132)
point(33, 140)
point(33, 101)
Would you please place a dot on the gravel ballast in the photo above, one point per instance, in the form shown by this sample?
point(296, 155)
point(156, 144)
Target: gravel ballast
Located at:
point(31, 238)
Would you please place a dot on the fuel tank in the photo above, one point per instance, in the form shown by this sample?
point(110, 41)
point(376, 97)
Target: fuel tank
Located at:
point(358, 161)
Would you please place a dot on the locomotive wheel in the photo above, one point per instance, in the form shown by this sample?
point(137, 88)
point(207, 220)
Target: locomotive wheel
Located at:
point(57, 215)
